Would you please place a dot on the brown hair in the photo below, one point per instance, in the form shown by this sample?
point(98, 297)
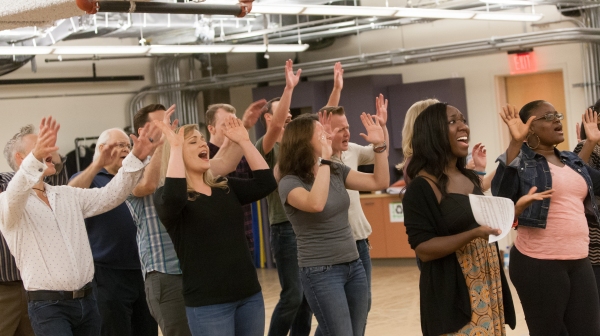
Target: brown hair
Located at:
point(268, 108)
point(335, 110)
point(211, 113)
point(141, 117)
point(208, 177)
point(296, 154)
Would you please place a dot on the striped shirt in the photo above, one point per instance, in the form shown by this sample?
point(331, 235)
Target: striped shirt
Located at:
point(154, 244)
point(594, 253)
point(8, 267)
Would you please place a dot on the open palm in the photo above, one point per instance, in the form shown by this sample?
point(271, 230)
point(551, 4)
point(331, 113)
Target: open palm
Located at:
point(518, 130)
point(374, 131)
point(590, 124)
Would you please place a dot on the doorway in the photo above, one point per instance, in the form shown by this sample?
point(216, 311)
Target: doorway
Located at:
point(519, 90)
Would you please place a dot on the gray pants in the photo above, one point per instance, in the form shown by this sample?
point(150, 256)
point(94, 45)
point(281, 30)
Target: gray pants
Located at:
point(165, 299)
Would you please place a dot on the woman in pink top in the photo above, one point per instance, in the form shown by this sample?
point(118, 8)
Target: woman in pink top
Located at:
point(549, 264)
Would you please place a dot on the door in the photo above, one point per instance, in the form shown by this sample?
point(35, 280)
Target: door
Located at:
point(549, 86)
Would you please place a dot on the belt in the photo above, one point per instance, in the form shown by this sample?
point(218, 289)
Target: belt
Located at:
point(46, 295)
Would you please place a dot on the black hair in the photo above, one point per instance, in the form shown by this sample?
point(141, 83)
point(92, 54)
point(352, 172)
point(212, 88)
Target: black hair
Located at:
point(525, 112)
point(595, 108)
point(431, 148)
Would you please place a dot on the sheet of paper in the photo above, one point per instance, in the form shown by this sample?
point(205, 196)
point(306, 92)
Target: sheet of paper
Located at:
point(495, 212)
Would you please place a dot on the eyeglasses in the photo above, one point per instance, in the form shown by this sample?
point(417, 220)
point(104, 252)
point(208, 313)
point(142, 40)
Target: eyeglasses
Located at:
point(122, 145)
point(551, 116)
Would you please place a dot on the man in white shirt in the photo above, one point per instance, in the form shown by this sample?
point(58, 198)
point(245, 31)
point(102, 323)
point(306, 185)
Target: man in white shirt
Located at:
point(354, 155)
point(44, 228)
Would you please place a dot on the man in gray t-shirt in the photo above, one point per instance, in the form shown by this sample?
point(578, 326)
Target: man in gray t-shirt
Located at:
point(324, 238)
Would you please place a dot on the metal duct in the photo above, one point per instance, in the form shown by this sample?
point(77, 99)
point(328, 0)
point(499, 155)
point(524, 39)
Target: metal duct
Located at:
point(385, 59)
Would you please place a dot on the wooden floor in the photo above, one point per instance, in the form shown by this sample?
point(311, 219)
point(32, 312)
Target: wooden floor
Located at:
point(395, 308)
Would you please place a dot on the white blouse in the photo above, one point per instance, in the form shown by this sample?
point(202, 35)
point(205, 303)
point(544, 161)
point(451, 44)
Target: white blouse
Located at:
point(50, 244)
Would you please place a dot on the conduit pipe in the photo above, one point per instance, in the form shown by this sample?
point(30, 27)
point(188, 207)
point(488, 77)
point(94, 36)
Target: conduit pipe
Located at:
point(94, 6)
point(382, 59)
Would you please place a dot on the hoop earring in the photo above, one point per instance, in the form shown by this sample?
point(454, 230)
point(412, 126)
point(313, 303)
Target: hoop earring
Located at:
point(527, 141)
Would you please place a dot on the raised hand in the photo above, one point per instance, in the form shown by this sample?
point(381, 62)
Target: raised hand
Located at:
point(518, 130)
point(252, 113)
point(326, 150)
point(374, 131)
point(46, 142)
point(325, 120)
point(173, 136)
point(590, 124)
point(235, 130)
point(479, 155)
point(291, 80)
point(526, 200)
point(149, 139)
point(338, 76)
point(107, 156)
point(381, 106)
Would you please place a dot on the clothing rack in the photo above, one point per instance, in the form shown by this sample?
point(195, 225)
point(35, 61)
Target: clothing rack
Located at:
point(77, 142)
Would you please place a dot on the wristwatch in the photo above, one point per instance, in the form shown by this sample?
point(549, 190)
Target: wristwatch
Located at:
point(380, 149)
point(324, 161)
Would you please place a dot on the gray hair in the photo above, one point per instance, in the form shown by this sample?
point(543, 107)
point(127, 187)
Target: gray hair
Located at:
point(15, 145)
point(103, 139)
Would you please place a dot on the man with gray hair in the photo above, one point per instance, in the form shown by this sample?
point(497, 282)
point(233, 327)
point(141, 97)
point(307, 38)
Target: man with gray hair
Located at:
point(44, 228)
point(120, 284)
point(15, 320)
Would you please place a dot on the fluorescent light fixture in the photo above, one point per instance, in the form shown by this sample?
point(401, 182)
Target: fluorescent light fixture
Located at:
point(510, 2)
point(148, 50)
point(278, 9)
point(495, 16)
point(190, 49)
point(288, 47)
point(25, 50)
point(100, 50)
point(349, 10)
point(434, 13)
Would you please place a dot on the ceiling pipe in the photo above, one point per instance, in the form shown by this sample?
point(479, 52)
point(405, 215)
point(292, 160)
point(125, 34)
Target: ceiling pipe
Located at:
point(384, 59)
point(94, 6)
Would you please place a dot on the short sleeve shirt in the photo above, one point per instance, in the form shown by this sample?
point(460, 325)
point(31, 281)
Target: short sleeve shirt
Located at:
point(276, 212)
point(323, 238)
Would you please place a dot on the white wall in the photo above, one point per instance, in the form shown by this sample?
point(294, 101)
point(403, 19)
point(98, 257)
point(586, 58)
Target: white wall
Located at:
point(81, 116)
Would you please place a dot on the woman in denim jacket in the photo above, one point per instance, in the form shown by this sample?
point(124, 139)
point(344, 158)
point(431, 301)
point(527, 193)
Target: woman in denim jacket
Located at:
point(549, 262)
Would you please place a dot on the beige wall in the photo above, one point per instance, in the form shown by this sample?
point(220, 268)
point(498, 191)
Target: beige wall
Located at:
point(89, 115)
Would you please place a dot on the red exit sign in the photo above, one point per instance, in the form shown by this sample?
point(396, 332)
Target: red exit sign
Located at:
point(522, 62)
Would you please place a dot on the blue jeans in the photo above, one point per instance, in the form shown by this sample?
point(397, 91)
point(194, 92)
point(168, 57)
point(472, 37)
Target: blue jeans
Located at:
point(65, 317)
point(292, 313)
point(241, 318)
point(339, 296)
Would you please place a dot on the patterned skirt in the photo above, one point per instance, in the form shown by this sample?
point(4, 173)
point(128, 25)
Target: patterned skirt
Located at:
point(481, 268)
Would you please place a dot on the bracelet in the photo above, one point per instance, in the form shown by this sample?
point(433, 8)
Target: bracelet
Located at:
point(380, 149)
point(479, 173)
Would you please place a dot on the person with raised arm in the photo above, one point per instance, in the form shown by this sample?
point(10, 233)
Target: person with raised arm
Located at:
point(292, 313)
point(45, 230)
point(354, 155)
point(549, 263)
point(456, 258)
point(204, 218)
point(313, 191)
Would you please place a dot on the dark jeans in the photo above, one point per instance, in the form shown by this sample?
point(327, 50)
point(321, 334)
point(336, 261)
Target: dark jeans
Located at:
point(164, 294)
point(292, 313)
point(65, 317)
point(365, 256)
point(241, 318)
point(122, 303)
point(338, 295)
point(557, 295)
point(596, 269)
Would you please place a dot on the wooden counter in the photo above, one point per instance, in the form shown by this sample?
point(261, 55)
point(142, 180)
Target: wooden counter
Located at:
point(389, 239)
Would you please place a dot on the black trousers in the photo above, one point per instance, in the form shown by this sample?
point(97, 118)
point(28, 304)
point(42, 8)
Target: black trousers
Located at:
point(558, 296)
point(122, 303)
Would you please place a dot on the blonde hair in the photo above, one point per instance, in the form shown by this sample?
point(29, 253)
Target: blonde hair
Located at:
point(409, 122)
point(208, 177)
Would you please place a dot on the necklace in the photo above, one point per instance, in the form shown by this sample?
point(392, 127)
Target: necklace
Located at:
point(42, 190)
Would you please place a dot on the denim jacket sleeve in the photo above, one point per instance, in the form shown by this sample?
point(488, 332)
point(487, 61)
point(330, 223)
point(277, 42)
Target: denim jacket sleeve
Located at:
point(506, 181)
